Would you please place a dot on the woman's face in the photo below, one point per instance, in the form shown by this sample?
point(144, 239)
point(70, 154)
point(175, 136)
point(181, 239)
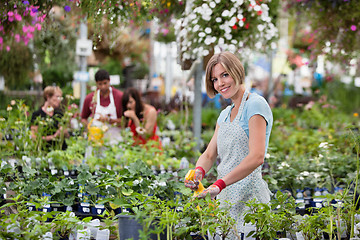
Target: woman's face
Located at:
point(55, 100)
point(223, 82)
point(131, 104)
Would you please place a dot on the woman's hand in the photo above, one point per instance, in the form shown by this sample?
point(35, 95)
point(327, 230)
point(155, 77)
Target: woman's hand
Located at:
point(198, 176)
point(130, 114)
point(214, 189)
point(48, 138)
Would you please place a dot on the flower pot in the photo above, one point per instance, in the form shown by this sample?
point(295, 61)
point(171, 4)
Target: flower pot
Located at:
point(129, 228)
point(57, 207)
point(98, 209)
point(84, 208)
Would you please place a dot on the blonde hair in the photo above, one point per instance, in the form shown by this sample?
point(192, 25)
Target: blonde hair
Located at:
point(49, 91)
point(231, 64)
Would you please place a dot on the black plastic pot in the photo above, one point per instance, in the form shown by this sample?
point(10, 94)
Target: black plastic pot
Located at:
point(129, 228)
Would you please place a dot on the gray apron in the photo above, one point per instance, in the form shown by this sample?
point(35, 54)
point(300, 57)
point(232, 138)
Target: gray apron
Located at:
point(233, 147)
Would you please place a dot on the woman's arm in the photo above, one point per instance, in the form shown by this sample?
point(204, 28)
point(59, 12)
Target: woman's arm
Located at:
point(150, 120)
point(257, 139)
point(34, 131)
point(207, 159)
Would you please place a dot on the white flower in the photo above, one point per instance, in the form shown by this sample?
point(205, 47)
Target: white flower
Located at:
point(137, 182)
point(140, 130)
point(12, 102)
point(257, 8)
point(258, 45)
point(260, 27)
point(207, 41)
point(316, 175)
point(324, 145)
point(202, 34)
point(2, 119)
point(285, 164)
point(221, 41)
point(208, 30)
point(218, 19)
point(49, 109)
point(212, 4)
point(232, 21)
point(205, 52)
point(196, 28)
point(305, 173)
point(9, 108)
point(225, 13)
point(217, 1)
point(192, 16)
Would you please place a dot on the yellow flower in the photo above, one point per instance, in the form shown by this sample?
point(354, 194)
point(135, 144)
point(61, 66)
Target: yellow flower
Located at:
point(355, 114)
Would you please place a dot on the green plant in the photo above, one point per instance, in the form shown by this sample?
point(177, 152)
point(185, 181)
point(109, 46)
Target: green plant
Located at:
point(65, 223)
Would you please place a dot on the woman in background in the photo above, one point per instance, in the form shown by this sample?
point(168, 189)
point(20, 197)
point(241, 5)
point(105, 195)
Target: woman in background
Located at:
point(50, 113)
point(141, 117)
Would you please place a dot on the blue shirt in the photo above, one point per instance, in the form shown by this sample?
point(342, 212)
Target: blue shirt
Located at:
point(255, 105)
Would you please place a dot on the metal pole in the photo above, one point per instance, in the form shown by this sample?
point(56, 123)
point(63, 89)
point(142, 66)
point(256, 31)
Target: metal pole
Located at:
point(197, 103)
point(83, 62)
point(169, 73)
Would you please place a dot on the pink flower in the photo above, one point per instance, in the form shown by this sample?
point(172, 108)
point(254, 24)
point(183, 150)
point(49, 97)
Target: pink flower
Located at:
point(17, 37)
point(38, 26)
point(165, 31)
point(353, 28)
point(25, 29)
point(18, 17)
point(8, 48)
point(30, 35)
point(31, 28)
point(1, 40)
point(11, 16)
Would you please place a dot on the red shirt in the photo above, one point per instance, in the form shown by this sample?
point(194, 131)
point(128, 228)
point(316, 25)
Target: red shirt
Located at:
point(90, 106)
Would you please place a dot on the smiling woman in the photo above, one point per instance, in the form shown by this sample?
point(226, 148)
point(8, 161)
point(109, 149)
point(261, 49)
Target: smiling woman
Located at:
point(240, 140)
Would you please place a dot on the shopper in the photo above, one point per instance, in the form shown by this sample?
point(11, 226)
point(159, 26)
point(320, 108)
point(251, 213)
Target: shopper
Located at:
point(45, 121)
point(104, 106)
point(141, 117)
point(240, 139)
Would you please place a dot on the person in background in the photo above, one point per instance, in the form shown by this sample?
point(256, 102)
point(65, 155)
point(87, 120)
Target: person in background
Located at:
point(105, 103)
point(50, 114)
point(104, 106)
point(141, 117)
point(240, 140)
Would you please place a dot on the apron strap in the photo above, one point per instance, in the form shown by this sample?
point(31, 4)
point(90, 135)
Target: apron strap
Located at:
point(243, 100)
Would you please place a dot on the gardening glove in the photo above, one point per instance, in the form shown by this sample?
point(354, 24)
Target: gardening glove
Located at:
point(193, 178)
point(214, 189)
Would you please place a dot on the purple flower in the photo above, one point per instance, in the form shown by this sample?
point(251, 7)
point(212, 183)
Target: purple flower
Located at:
point(67, 8)
point(26, 2)
point(353, 28)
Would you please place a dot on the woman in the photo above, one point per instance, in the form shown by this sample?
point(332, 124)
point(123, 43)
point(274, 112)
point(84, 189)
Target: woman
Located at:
point(49, 114)
point(240, 139)
point(141, 117)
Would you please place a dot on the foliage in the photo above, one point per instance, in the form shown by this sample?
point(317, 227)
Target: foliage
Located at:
point(334, 26)
point(54, 49)
point(269, 219)
point(15, 66)
point(230, 25)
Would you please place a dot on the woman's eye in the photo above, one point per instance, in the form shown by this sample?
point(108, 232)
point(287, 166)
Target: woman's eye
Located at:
point(214, 80)
point(225, 75)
